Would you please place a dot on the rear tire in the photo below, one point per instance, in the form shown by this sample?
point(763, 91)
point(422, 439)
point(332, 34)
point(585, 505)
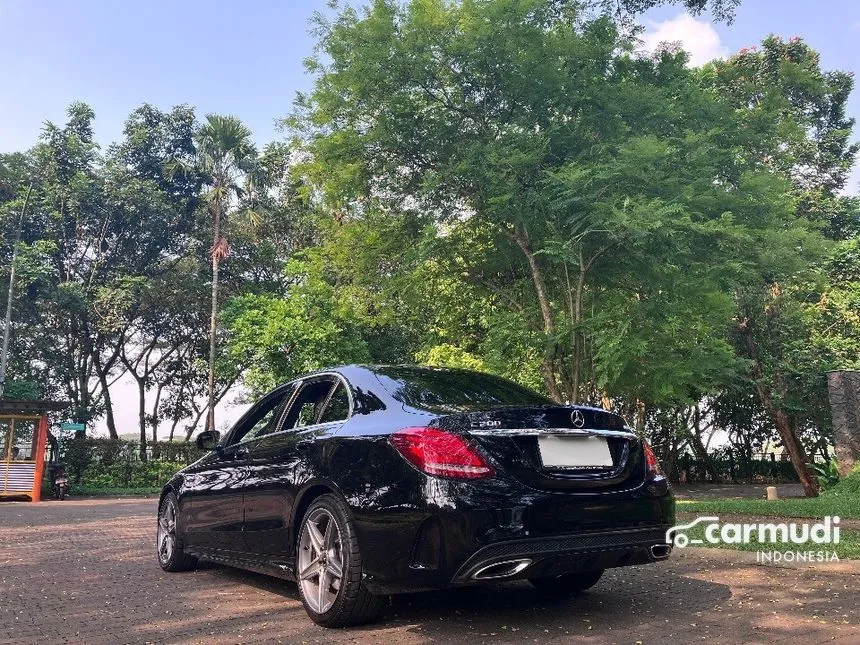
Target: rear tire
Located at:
point(169, 550)
point(568, 584)
point(328, 567)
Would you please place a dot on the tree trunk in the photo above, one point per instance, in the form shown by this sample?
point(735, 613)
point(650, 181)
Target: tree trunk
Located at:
point(210, 418)
point(190, 430)
point(792, 444)
point(577, 332)
point(218, 397)
point(640, 417)
point(698, 447)
point(7, 324)
point(154, 415)
point(547, 369)
point(780, 418)
point(109, 418)
point(141, 416)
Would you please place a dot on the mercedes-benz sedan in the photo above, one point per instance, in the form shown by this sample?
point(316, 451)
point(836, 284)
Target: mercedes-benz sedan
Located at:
point(359, 482)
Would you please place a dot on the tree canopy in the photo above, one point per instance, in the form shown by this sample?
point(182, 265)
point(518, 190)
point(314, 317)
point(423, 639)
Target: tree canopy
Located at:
point(504, 185)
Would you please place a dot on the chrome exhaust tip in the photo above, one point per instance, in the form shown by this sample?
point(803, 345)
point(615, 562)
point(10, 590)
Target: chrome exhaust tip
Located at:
point(504, 569)
point(660, 551)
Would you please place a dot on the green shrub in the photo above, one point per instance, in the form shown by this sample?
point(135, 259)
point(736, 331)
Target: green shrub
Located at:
point(129, 474)
point(847, 486)
point(77, 453)
point(827, 474)
point(113, 463)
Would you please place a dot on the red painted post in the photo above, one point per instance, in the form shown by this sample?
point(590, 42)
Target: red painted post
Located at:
point(41, 441)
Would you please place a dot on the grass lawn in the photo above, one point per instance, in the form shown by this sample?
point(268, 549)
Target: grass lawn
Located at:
point(842, 500)
point(830, 503)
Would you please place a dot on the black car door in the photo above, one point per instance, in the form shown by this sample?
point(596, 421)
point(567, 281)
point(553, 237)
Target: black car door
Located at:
point(212, 512)
point(282, 461)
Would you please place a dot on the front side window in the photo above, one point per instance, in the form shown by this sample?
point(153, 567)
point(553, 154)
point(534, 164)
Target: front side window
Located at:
point(264, 419)
point(263, 426)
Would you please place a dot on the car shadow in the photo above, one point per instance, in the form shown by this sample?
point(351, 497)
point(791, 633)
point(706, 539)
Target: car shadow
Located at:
point(624, 598)
point(628, 598)
point(270, 584)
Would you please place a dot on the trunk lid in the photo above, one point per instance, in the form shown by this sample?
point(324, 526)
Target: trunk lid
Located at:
point(560, 448)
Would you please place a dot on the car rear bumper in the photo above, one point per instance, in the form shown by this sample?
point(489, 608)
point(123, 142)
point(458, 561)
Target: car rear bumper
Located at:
point(550, 556)
point(419, 549)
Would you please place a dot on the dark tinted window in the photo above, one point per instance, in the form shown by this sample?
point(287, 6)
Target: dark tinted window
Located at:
point(262, 419)
point(264, 425)
point(454, 389)
point(338, 406)
point(308, 404)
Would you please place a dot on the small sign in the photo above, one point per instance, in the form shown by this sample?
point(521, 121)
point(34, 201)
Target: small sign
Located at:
point(73, 427)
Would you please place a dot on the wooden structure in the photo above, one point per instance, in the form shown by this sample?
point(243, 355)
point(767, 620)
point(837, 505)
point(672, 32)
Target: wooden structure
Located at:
point(23, 436)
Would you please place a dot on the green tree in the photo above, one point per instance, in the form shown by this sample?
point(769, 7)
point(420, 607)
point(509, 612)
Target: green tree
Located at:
point(98, 226)
point(510, 121)
point(595, 198)
point(226, 158)
point(794, 117)
point(280, 338)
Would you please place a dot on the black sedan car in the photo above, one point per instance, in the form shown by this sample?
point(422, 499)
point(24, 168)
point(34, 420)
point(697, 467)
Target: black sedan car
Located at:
point(358, 482)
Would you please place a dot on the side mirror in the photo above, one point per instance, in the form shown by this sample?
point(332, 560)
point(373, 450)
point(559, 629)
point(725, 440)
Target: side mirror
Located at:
point(208, 439)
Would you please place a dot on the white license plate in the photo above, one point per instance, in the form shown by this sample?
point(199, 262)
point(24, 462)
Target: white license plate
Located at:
point(559, 451)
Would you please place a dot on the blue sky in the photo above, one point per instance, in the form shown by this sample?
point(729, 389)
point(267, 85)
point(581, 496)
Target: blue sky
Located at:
point(238, 58)
point(246, 59)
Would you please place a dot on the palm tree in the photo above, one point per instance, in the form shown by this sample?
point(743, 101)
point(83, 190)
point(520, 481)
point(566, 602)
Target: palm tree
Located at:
point(227, 159)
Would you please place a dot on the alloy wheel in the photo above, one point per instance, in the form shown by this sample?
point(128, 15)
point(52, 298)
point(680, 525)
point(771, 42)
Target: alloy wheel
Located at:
point(166, 531)
point(320, 566)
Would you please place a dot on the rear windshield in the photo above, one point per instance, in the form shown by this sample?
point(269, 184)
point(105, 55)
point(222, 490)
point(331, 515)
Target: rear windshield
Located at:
point(427, 387)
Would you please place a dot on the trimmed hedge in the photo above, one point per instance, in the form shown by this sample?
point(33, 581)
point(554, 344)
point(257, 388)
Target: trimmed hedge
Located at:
point(752, 471)
point(129, 474)
point(101, 463)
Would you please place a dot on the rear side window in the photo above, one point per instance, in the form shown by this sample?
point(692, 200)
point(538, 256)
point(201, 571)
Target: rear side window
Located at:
point(338, 406)
point(313, 404)
point(427, 387)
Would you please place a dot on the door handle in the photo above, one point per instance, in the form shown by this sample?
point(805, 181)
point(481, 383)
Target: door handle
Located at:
point(241, 453)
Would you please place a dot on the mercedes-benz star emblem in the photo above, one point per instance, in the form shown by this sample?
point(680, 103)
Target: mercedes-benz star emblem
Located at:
point(577, 419)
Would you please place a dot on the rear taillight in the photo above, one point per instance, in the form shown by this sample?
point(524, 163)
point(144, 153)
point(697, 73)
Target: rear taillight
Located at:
point(436, 452)
point(651, 462)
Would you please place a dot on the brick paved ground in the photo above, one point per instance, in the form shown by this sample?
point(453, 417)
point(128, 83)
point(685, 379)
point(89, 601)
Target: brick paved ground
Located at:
point(84, 571)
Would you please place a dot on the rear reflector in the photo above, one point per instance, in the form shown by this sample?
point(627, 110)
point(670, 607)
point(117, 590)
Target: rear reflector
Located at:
point(436, 452)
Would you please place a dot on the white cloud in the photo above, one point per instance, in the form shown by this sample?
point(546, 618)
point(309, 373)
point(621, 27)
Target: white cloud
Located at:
point(698, 37)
